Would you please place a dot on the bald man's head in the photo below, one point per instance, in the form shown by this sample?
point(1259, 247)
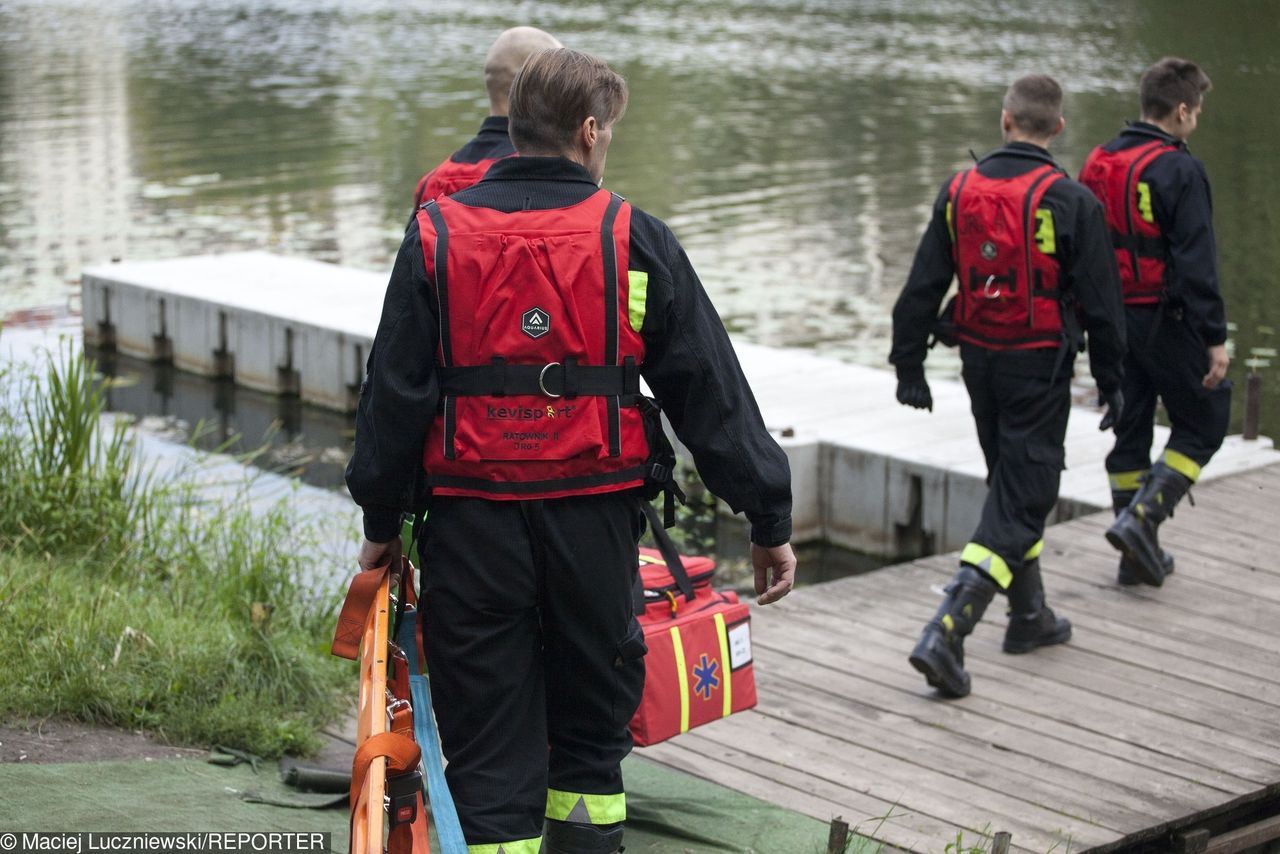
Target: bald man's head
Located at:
point(506, 57)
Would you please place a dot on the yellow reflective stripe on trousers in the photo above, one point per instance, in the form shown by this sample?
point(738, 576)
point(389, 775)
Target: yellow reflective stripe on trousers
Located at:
point(637, 294)
point(1127, 481)
point(586, 809)
point(989, 562)
point(723, 634)
point(1034, 551)
point(682, 677)
point(519, 846)
point(1182, 464)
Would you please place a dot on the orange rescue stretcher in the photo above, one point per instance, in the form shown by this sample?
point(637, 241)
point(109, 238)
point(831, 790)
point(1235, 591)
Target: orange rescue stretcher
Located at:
point(386, 781)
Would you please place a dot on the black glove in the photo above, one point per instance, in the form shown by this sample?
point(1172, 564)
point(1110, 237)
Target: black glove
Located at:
point(1115, 405)
point(915, 393)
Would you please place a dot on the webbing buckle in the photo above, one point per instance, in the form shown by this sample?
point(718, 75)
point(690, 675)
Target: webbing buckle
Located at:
point(542, 376)
point(401, 800)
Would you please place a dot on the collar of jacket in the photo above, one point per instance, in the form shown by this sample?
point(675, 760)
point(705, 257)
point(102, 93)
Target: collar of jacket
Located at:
point(1146, 129)
point(538, 169)
point(494, 124)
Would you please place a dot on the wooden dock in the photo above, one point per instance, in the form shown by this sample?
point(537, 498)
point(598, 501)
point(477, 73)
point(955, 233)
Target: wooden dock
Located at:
point(1162, 709)
point(867, 473)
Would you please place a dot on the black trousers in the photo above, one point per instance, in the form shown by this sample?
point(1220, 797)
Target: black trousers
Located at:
point(1168, 360)
point(534, 654)
point(1020, 408)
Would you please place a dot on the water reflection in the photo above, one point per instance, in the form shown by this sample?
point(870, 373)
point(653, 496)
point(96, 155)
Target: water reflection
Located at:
point(794, 145)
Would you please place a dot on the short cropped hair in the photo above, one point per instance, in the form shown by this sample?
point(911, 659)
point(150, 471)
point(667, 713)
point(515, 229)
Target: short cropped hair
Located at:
point(1034, 102)
point(555, 92)
point(1171, 82)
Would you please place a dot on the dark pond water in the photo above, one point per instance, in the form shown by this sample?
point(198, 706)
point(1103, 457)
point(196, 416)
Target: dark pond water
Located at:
point(793, 145)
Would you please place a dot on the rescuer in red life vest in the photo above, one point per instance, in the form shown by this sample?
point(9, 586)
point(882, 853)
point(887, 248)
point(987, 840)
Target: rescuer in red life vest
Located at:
point(1032, 259)
point(1161, 220)
point(520, 317)
point(468, 164)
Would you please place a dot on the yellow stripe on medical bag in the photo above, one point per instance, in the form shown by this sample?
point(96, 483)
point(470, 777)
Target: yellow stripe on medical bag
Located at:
point(682, 677)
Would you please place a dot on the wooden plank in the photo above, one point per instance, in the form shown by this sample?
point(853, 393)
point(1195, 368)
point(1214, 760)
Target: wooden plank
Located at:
point(943, 754)
point(784, 786)
point(1164, 706)
point(1139, 669)
point(876, 697)
point(1042, 694)
point(890, 779)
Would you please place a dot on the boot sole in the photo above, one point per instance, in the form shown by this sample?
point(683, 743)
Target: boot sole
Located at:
point(1030, 646)
point(1142, 569)
point(936, 680)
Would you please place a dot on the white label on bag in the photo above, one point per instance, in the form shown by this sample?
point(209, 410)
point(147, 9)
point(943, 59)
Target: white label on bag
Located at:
point(740, 645)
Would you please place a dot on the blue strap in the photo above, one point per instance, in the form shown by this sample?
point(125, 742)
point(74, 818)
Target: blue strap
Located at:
point(445, 814)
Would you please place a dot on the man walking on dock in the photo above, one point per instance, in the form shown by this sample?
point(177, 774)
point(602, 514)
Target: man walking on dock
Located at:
point(1031, 254)
point(1161, 219)
point(468, 164)
point(520, 317)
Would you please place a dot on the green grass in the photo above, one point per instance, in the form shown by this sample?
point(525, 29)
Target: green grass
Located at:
point(135, 600)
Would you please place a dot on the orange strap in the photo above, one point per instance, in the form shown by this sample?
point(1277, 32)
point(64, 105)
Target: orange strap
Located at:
point(355, 611)
point(402, 754)
point(401, 751)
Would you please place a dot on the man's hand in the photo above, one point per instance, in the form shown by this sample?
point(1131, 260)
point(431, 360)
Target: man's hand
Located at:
point(915, 393)
point(777, 563)
point(1115, 405)
point(1218, 363)
point(373, 555)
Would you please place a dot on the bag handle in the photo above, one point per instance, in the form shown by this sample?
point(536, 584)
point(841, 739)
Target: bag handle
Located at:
point(667, 549)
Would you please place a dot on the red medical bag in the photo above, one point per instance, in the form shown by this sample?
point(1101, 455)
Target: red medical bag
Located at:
point(698, 668)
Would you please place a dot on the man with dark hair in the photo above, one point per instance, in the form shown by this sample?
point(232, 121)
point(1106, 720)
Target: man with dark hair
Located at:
point(466, 165)
point(1030, 253)
point(520, 317)
point(1161, 220)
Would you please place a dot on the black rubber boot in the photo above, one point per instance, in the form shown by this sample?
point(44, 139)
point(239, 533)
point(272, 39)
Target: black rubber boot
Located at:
point(939, 654)
point(1128, 575)
point(1134, 531)
point(1032, 623)
point(571, 837)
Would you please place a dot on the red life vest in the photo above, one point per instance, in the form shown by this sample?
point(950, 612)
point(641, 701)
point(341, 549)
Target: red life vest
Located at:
point(1008, 297)
point(538, 365)
point(1113, 176)
point(450, 177)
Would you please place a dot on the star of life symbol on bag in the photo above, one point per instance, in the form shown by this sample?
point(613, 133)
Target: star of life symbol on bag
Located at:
point(988, 250)
point(705, 679)
point(535, 323)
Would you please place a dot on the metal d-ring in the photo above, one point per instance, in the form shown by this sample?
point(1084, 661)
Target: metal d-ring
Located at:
point(986, 289)
point(542, 375)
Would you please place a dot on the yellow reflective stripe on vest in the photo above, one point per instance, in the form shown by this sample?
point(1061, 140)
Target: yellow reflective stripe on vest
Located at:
point(682, 677)
point(1127, 481)
point(723, 634)
point(519, 846)
point(637, 295)
point(586, 809)
point(1182, 464)
point(1034, 551)
point(1144, 202)
point(1046, 237)
point(989, 562)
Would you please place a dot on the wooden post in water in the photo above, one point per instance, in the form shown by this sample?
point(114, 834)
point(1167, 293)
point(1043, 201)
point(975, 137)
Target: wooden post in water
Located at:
point(838, 839)
point(1252, 404)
